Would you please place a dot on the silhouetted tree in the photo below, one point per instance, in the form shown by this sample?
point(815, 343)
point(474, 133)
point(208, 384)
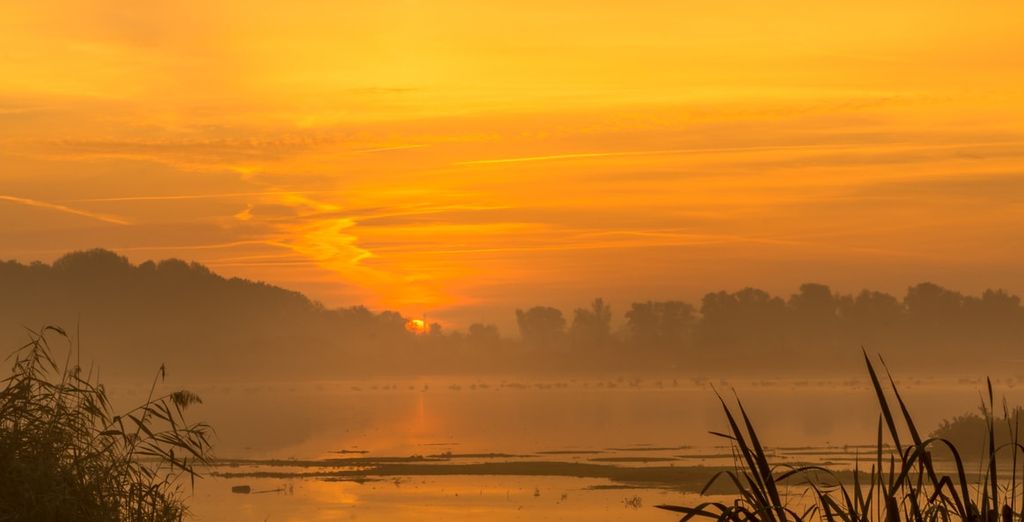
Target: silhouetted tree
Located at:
point(931, 304)
point(484, 335)
point(871, 307)
point(815, 303)
point(997, 317)
point(541, 326)
point(814, 317)
point(935, 315)
point(660, 324)
point(871, 317)
point(592, 328)
point(750, 320)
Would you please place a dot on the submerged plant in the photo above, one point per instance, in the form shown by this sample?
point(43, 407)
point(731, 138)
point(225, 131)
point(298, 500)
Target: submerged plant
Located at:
point(902, 482)
point(65, 456)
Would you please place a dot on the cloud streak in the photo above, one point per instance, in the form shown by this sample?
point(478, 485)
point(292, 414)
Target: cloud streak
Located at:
point(190, 197)
point(106, 218)
point(726, 150)
point(657, 152)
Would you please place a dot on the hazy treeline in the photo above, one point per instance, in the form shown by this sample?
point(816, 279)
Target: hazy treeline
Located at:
point(815, 328)
point(135, 317)
point(132, 318)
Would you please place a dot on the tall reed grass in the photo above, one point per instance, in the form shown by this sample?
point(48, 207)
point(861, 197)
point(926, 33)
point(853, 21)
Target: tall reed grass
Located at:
point(66, 456)
point(901, 483)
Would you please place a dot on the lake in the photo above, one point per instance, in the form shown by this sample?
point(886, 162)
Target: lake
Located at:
point(491, 448)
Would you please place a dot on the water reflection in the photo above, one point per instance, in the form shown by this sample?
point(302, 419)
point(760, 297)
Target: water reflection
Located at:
point(547, 426)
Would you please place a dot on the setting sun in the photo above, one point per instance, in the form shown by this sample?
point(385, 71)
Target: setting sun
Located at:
point(416, 326)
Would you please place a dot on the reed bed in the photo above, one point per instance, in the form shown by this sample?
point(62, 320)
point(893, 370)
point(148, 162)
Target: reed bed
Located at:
point(901, 481)
point(66, 456)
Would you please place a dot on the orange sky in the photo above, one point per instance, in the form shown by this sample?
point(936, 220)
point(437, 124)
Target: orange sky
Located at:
point(462, 158)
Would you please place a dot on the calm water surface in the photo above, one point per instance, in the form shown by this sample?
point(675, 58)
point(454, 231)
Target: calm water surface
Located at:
point(618, 421)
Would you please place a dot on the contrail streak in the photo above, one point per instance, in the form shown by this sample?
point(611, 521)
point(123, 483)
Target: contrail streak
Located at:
point(758, 148)
point(106, 218)
point(183, 197)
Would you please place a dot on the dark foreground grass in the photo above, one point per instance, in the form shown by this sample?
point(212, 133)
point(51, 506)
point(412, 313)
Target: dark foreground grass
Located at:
point(901, 481)
point(65, 456)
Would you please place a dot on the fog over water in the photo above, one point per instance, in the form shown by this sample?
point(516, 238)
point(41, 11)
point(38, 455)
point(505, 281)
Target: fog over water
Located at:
point(431, 415)
point(481, 421)
point(323, 414)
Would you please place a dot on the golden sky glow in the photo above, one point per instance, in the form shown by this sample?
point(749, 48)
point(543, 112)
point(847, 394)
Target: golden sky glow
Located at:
point(462, 158)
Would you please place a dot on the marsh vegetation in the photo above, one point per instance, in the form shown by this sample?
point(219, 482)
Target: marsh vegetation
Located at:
point(66, 455)
point(900, 481)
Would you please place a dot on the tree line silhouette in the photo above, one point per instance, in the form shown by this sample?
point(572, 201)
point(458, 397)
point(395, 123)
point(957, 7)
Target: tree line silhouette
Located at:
point(808, 329)
point(138, 316)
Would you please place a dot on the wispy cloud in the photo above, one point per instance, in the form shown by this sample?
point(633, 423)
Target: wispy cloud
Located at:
point(188, 197)
point(713, 150)
point(387, 149)
point(657, 152)
point(205, 246)
point(106, 218)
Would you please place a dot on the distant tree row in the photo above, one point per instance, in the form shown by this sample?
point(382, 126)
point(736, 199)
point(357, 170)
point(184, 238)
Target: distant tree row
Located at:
point(139, 316)
point(809, 323)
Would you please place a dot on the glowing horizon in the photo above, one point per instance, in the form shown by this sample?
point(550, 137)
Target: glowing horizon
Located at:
point(464, 158)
